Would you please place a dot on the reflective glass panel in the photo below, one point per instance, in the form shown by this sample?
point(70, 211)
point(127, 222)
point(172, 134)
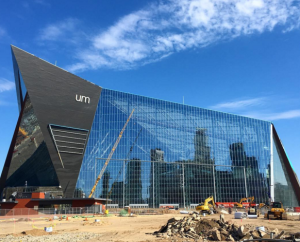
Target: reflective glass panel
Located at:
point(171, 153)
point(283, 189)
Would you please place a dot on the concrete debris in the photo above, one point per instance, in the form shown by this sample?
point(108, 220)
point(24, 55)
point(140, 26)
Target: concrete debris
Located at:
point(223, 211)
point(266, 236)
point(242, 231)
point(275, 231)
point(196, 228)
point(280, 235)
point(255, 234)
point(261, 233)
point(247, 237)
point(222, 218)
point(216, 235)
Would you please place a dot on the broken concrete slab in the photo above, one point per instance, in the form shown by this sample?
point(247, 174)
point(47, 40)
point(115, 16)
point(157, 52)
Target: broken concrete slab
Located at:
point(216, 235)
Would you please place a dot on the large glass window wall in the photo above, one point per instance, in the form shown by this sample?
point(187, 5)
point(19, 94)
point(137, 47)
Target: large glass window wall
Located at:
point(174, 154)
point(283, 189)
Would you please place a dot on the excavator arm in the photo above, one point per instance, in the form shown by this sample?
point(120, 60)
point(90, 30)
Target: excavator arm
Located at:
point(240, 205)
point(210, 200)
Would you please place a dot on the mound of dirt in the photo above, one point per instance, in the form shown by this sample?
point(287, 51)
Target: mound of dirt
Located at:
point(23, 219)
point(94, 223)
point(205, 225)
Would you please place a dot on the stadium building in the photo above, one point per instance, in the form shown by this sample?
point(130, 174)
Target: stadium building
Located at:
point(169, 153)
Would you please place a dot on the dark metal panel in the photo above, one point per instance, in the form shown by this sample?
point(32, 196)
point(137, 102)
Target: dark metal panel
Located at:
point(292, 175)
point(7, 163)
point(53, 94)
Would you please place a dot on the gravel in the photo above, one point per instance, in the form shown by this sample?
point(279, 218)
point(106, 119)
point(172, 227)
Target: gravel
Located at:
point(66, 237)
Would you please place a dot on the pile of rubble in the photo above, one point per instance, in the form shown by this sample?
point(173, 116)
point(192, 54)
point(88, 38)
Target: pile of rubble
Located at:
point(194, 227)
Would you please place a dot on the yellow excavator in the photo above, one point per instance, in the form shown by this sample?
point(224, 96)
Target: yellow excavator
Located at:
point(263, 205)
point(240, 205)
point(208, 206)
point(22, 131)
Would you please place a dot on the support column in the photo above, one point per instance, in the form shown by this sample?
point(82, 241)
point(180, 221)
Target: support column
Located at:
point(153, 184)
point(245, 182)
point(183, 185)
point(124, 184)
point(215, 196)
point(271, 165)
point(94, 195)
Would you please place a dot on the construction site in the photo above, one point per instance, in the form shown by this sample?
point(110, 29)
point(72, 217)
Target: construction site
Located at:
point(164, 224)
point(114, 166)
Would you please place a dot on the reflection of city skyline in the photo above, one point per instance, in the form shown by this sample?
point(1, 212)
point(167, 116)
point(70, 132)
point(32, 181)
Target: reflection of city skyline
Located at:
point(133, 184)
point(197, 175)
point(202, 150)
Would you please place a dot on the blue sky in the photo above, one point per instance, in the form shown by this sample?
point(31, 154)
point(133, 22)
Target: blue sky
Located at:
point(236, 56)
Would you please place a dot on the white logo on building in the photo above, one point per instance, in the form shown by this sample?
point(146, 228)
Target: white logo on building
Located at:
point(83, 99)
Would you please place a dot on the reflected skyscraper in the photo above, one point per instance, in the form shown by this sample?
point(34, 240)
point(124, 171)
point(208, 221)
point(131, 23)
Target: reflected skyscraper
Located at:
point(157, 155)
point(157, 171)
point(247, 166)
point(239, 158)
point(117, 192)
point(133, 185)
point(105, 184)
point(202, 150)
point(238, 154)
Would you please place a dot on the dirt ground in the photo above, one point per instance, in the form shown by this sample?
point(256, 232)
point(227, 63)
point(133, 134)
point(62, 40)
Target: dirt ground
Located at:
point(121, 229)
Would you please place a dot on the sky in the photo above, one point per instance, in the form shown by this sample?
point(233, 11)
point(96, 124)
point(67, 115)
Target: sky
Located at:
point(235, 56)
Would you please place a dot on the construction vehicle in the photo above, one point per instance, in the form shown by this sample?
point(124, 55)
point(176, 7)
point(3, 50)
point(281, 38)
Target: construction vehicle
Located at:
point(263, 205)
point(23, 132)
point(241, 205)
point(208, 206)
point(276, 211)
point(110, 155)
point(253, 209)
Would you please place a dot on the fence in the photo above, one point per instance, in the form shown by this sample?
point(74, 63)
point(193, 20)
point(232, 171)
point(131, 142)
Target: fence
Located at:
point(159, 182)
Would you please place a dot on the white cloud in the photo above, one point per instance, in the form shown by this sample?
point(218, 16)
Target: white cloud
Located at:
point(239, 104)
point(264, 108)
point(6, 85)
point(168, 27)
point(276, 116)
point(58, 31)
point(249, 6)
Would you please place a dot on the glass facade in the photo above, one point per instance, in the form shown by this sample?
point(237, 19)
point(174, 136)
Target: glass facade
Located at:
point(283, 188)
point(174, 154)
point(31, 162)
